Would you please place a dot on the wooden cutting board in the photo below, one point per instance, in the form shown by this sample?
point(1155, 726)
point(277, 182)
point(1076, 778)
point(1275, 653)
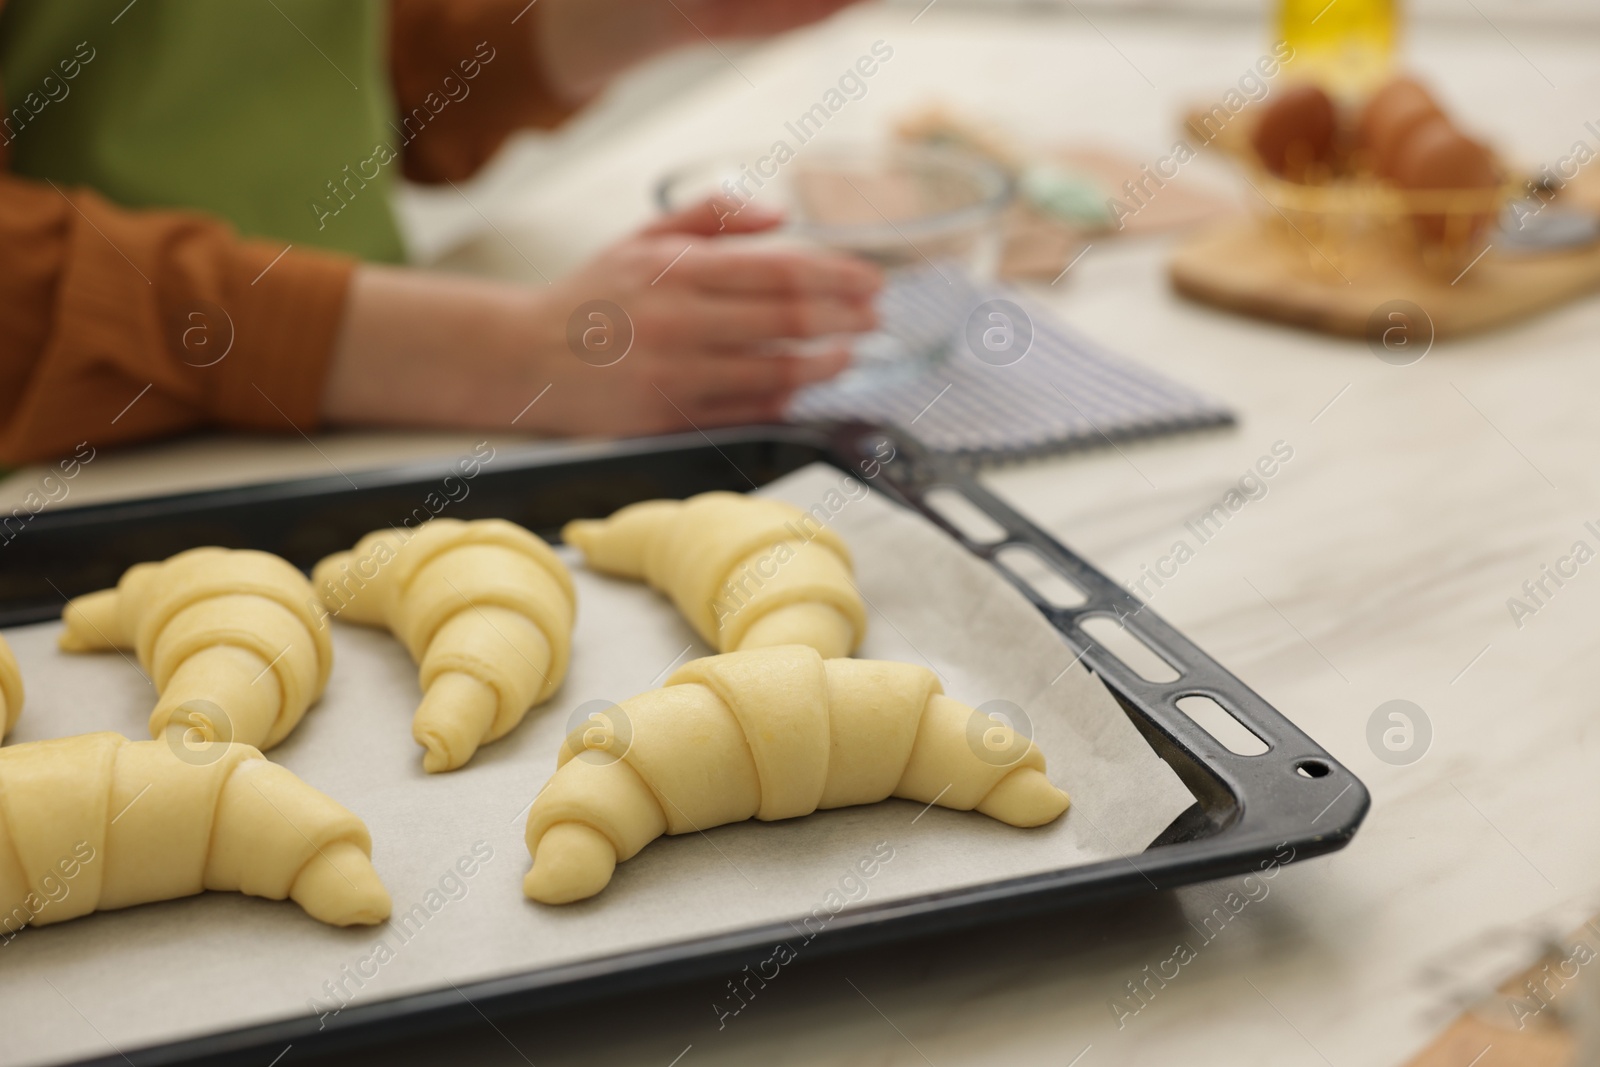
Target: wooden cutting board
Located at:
point(1541, 1032)
point(1263, 267)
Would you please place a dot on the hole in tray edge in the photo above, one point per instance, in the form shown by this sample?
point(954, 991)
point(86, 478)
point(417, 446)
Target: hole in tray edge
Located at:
point(1312, 768)
point(971, 521)
point(1129, 648)
point(1225, 728)
point(1029, 566)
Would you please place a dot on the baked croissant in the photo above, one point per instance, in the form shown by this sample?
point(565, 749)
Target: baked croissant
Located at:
point(770, 734)
point(745, 571)
point(235, 631)
point(96, 822)
point(10, 689)
point(486, 609)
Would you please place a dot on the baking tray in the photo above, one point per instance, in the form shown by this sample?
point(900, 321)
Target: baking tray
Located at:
point(1247, 807)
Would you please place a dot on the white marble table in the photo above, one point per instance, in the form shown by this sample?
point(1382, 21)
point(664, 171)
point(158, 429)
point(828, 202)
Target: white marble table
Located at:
point(1418, 500)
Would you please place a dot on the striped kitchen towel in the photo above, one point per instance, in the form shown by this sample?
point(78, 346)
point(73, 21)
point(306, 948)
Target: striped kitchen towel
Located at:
point(977, 373)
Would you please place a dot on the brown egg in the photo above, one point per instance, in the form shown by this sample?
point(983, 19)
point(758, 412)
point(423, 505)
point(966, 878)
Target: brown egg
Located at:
point(1295, 133)
point(1392, 113)
point(1438, 156)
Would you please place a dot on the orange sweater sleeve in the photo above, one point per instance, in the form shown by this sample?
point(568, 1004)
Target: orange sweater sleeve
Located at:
point(120, 326)
point(466, 75)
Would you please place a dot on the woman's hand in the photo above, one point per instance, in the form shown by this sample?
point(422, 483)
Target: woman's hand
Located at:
point(670, 329)
point(585, 43)
point(675, 325)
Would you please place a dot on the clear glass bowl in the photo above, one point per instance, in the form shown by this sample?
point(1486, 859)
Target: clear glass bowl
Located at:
point(926, 214)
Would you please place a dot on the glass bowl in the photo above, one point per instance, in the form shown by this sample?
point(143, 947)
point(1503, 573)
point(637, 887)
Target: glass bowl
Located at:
point(928, 215)
point(895, 204)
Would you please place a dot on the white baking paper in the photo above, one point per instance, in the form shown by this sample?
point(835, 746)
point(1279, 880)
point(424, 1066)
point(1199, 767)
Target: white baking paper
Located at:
point(118, 981)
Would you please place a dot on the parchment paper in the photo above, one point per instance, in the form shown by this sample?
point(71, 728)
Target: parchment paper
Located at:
point(117, 981)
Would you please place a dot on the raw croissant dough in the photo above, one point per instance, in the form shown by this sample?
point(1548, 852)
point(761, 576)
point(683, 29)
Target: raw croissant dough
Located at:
point(486, 608)
point(770, 734)
point(217, 629)
point(10, 689)
point(96, 822)
point(746, 572)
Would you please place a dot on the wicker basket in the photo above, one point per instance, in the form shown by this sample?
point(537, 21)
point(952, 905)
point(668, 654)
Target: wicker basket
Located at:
point(1347, 220)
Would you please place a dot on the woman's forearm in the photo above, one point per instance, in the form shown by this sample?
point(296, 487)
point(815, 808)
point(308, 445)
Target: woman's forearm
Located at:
point(697, 331)
point(418, 348)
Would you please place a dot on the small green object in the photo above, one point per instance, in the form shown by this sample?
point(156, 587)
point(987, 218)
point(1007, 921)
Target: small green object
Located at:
point(1068, 195)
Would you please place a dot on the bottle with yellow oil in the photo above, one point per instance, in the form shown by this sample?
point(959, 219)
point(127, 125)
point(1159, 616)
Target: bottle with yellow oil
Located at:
point(1347, 46)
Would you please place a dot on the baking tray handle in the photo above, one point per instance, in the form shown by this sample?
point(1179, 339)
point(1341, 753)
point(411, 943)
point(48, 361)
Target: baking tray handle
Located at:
point(1288, 790)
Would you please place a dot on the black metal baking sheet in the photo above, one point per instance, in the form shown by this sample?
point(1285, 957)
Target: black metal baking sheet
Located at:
point(1247, 808)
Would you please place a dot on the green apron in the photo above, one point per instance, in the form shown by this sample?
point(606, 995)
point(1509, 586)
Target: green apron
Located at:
point(271, 114)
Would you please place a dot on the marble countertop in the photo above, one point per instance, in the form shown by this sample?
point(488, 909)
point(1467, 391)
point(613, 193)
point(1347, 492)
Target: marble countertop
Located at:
point(1378, 566)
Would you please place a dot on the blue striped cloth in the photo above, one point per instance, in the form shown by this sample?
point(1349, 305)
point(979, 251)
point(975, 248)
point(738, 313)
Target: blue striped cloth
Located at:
point(941, 370)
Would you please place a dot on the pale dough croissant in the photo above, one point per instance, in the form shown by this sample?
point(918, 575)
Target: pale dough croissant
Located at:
point(745, 571)
point(486, 609)
point(10, 689)
point(217, 629)
point(769, 734)
point(96, 822)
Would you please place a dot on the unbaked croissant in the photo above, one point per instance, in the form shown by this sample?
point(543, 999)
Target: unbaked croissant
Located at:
point(770, 734)
point(10, 689)
point(235, 631)
point(486, 609)
point(747, 572)
point(96, 822)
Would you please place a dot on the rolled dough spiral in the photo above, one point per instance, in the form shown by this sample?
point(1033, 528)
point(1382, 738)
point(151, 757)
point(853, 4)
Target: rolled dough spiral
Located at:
point(769, 734)
point(745, 571)
point(486, 609)
point(216, 629)
point(96, 822)
point(10, 689)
